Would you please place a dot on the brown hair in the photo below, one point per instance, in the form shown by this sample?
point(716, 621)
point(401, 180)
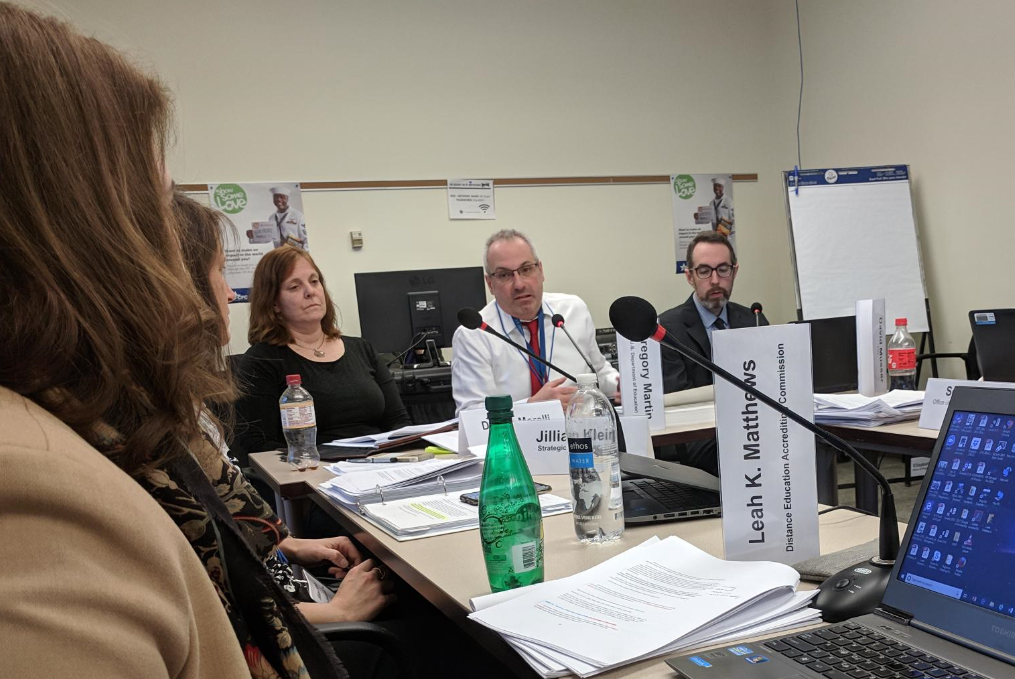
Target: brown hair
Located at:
point(201, 236)
point(709, 237)
point(266, 324)
point(101, 324)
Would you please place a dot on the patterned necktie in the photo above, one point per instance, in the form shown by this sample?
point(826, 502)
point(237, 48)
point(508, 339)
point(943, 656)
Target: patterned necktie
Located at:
point(535, 369)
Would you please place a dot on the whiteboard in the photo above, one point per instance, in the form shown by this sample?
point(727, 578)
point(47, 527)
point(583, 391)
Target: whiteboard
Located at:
point(853, 236)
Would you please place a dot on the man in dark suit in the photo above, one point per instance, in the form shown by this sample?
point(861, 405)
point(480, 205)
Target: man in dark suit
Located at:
point(711, 269)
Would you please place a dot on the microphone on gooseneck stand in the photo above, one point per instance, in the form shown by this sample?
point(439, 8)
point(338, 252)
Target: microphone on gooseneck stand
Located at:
point(636, 319)
point(756, 310)
point(558, 322)
point(473, 320)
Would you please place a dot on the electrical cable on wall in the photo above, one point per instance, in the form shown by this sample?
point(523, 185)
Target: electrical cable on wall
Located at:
point(800, 101)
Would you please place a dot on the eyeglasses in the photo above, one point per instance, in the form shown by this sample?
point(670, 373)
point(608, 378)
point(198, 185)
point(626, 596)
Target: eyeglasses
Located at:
point(505, 276)
point(704, 271)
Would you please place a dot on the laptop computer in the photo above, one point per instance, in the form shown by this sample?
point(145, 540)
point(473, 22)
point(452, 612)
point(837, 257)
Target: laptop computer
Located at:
point(994, 336)
point(666, 491)
point(949, 609)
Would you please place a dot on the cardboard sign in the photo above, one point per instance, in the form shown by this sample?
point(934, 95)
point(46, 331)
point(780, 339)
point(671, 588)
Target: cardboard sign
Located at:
point(766, 462)
point(544, 445)
point(263, 232)
point(939, 394)
point(871, 353)
point(641, 380)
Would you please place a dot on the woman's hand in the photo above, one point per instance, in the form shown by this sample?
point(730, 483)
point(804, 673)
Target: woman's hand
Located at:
point(364, 593)
point(338, 551)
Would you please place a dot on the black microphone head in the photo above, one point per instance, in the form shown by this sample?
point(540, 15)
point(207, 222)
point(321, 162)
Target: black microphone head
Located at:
point(634, 318)
point(557, 320)
point(756, 307)
point(469, 318)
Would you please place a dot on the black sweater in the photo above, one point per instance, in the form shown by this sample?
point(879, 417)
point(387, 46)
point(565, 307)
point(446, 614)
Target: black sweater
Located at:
point(353, 396)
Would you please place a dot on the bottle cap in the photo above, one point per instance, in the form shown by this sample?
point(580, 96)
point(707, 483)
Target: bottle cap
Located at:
point(499, 404)
point(588, 378)
point(293, 380)
point(901, 321)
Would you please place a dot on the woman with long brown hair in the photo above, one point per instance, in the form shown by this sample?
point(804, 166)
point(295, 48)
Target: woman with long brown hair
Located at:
point(293, 329)
point(103, 359)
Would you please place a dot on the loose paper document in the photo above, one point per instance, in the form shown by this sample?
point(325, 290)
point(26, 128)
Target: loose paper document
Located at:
point(384, 437)
point(634, 604)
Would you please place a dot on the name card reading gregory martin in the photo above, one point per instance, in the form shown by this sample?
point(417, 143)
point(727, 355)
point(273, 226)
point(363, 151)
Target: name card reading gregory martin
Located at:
point(641, 380)
point(939, 394)
point(766, 462)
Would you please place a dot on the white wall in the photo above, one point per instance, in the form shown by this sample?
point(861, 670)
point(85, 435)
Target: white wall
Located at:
point(340, 90)
point(327, 90)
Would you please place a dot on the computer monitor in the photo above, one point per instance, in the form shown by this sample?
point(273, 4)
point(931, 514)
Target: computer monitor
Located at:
point(396, 306)
point(833, 354)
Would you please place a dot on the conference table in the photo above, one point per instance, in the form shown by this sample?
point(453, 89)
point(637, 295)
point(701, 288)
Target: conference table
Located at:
point(448, 569)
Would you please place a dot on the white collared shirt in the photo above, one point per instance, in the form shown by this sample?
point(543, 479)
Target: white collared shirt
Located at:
point(483, 365)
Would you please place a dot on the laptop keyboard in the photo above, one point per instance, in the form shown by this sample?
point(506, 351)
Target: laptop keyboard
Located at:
point(676, 495)
point(852, 651)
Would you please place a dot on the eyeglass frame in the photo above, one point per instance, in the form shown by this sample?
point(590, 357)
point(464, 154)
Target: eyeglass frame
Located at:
point(713, 269)
point(505, 276)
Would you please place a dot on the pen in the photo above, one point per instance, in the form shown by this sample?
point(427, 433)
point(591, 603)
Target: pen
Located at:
point(374, 459)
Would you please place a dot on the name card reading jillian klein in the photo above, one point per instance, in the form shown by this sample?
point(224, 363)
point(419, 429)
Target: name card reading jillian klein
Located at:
point(766, 462)
point(538, 426)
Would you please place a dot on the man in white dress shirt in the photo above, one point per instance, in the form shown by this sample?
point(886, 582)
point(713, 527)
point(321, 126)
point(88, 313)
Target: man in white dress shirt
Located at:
point(483, 365)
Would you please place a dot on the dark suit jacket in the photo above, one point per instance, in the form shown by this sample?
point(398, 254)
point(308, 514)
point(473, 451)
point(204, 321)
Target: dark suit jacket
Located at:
point(684, 323)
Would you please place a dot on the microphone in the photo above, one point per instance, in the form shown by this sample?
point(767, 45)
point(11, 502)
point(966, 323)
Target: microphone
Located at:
point(558, 322)
point(472, 320)
point(636, 319)
point(756, 310)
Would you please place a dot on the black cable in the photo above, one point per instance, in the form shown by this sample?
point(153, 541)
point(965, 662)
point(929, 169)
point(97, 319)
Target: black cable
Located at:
point(847, 507)
point(416, 339)
point(800, 102)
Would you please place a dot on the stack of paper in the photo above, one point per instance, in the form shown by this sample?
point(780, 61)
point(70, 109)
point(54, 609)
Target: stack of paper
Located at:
point(867, 411)
point(437, 514)
point(359, 484)
point(374, 440)
point(661, 597)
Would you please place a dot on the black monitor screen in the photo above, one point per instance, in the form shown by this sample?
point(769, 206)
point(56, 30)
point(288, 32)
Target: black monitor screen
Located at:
point(395, 306)
point(963, 544)
point(833, 353)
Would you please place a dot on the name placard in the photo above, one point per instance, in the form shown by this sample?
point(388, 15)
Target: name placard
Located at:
point(766, 462)
point(939, 394)
point(641, 380)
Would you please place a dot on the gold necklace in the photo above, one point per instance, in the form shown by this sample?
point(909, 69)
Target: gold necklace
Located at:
point(317, 352)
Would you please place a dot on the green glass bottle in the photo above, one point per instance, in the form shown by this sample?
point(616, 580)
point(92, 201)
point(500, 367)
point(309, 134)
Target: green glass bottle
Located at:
point(510, 520)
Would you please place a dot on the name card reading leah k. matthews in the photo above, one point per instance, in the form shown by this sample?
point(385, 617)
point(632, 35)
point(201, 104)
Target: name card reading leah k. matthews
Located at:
point(766, 462)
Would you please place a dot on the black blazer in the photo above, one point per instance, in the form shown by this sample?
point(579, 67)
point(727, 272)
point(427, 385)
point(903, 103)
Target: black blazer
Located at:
point(684, 323)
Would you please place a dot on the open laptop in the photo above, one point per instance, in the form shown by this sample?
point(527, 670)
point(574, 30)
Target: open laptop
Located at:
point(994, 336)
point(949, 610)
point(666, 491)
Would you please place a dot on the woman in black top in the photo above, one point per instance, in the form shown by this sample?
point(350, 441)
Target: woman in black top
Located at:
point(293, 331)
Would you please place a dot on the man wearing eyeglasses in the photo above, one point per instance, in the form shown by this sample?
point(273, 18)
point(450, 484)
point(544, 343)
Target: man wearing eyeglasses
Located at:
point(483, 365)
point(711, 269)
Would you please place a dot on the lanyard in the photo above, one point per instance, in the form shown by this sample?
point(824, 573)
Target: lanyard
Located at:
point(541, 371)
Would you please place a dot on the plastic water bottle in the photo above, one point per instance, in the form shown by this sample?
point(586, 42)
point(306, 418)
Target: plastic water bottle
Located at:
point(595, 464)
point(299, 424)
point(510, 519)
point(902, 358)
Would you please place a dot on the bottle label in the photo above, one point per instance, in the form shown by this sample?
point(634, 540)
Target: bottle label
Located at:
point(580, 450)
point(902, 359)
point(298, 415)
point(523, 557)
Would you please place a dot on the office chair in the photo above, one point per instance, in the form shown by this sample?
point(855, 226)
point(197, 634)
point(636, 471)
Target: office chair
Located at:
point(968, 358)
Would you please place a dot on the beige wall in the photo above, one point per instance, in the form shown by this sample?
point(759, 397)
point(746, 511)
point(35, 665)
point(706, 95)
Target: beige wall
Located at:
point(326, 90)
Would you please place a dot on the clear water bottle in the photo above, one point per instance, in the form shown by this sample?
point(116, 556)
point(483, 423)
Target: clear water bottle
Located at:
point(902, 358)
point(299, 424)
point(510, 519)
point(595, 464)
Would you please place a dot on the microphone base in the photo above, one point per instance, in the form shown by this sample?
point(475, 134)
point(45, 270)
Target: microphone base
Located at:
point(853, 591)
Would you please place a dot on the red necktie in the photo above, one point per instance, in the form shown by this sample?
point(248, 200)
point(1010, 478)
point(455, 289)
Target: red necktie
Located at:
point(534, 370)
